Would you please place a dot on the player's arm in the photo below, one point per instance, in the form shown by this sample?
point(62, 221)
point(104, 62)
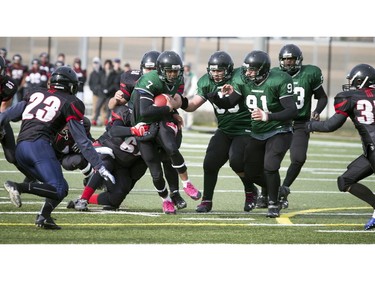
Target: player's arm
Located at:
point(13, 113)
point(289, 112)
point(117, 99)
point(322, 98)
point(330, 125)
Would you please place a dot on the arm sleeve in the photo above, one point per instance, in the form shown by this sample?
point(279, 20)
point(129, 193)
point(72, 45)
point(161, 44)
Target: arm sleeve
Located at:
point(13, 113)
point(120, 131)
point(330, 125)
point(289, 112)
point(322, 98)
point(224, 102)
point(84, 144)
point(147, 108)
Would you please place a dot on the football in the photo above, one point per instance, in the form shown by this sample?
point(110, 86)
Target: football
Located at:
point(161, 100)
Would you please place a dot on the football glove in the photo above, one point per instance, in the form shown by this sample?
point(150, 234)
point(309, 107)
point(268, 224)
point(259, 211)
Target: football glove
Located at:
point(140, 129)
point(150, 134)
point(75, 148)
point(106, 174)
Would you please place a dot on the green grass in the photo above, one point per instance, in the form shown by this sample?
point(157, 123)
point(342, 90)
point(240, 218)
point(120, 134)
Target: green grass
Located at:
point(321, 229)
point(318, 212)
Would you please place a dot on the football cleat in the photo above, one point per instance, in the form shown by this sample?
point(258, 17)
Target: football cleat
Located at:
point(250, 201)
point(109, 208)
point(273, 211)
point(192, 192)
point(14, 194)
point(81, 205)
point(71, 204)
point(179, 202)
point(262, 202)
point(370, 224)
point(204, 207)
point(168, 207)
point(46, 223)
point(283, 196)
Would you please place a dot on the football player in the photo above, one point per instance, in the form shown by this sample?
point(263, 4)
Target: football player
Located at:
point(357, 101)
point(45, 112)
point(232, 135)
point(268, 95)
point(122, 96)
point(167, 79)
point(120, 154)
point(308, 84)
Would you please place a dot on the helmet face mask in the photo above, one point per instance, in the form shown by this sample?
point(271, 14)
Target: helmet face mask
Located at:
point(220, 67)
point(64, 78)
point(361, 76)
point(170, 68)
point(256, 67)
point(290, 59)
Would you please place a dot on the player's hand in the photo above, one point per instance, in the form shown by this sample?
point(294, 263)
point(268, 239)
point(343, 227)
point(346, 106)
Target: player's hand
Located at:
point(75, 148)
point(315, 116)
point(140, 129)
point(150, 134)
point(179, 120)
point(174, 102)
point(106, 174)
point(227, 89)
point(259, 115)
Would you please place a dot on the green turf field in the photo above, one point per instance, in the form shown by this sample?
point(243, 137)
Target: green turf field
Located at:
point(318, 212)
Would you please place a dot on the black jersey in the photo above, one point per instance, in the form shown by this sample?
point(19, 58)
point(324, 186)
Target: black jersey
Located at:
point(359, 106)
point(128, 80)
point(8, 88)
point(47, 112)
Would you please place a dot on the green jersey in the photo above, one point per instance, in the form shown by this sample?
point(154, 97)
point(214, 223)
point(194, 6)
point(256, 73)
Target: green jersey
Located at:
point(266, 96)
point(147, 87)
point(233, 121)
point(305, 82)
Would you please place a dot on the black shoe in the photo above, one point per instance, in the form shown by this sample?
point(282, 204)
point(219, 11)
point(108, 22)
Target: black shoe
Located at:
point(273, 211)
point(283, 196)
point(250, 201)
point(46, 223)
point(71, 204)
point(204, 207)
point(262, 202)
point(177, 200)
point(109, 208)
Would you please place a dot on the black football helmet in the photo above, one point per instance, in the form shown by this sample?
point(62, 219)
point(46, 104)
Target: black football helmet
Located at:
point(290, 51)
point(149, 60)
point(259, 62)
point(3, 67)
point(169, 60)
point(220, 61)
point(361, 76)
point(64, 78)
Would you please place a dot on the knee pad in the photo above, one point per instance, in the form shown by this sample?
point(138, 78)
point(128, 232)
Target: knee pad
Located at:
point(343, 183)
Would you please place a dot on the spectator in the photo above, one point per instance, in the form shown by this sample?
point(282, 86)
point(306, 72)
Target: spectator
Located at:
point(110, 82)
point(190, 81)
point(35, 77)
point(82, 77)
point(127, 67)
point(18, 72)
point(95, 84)
point(4, 53)
point(45, 64)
